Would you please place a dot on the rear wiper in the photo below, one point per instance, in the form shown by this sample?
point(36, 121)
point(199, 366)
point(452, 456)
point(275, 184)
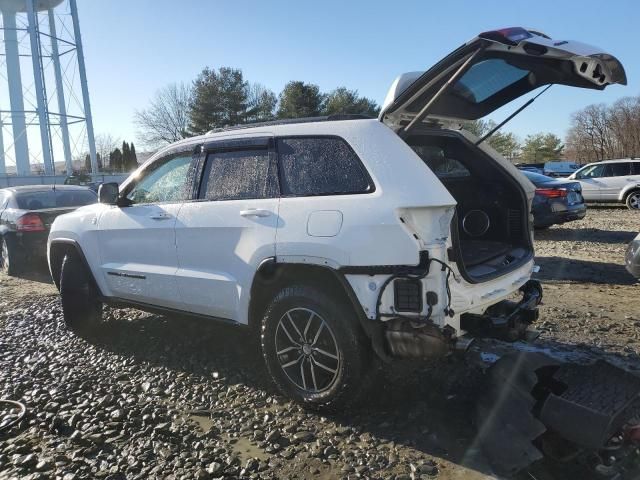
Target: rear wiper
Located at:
point(501, 124)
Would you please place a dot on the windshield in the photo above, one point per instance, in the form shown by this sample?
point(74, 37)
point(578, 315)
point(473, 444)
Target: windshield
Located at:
point(44, 199)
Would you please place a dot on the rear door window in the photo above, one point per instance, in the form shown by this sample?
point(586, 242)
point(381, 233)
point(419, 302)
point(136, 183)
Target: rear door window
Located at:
point(635, 168)
point(618, 169)
point(312, 166)
point(239, 175)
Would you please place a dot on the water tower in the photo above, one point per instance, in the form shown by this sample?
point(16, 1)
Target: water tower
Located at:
point(45, 114)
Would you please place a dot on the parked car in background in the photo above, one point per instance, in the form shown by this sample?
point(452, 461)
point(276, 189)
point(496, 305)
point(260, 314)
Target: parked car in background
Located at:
point(555, 201)
point(559, 169)
point(611, 181)
point(531, 167)
point(83, 179)
point(632, 257)
point(26, 214)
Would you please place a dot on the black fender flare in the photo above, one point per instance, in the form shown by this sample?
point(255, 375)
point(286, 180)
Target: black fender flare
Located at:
point(54, 269)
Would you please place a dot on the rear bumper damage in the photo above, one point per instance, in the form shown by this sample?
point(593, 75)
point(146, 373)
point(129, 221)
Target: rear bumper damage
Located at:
point(508, 320)
point(542, 399)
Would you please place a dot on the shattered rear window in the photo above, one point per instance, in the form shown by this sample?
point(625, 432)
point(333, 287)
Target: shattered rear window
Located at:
point(321, 166)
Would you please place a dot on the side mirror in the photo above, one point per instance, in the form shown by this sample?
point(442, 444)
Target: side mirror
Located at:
point(108, 193)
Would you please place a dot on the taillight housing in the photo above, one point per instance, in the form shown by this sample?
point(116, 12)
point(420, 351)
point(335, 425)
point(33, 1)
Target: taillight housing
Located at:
point(551, 192)
point(31, 222)
point(509, 36)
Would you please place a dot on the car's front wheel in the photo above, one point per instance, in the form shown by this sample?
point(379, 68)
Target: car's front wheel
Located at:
point(633, 200)
point(79, 297)
point(314, 348)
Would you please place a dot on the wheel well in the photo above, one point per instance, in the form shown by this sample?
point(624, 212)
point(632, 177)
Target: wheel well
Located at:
point(271, 277)
point(630, 191)
point(57, 253)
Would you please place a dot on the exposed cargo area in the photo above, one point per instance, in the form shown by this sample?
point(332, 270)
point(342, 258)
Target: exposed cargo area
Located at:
point(489, 231)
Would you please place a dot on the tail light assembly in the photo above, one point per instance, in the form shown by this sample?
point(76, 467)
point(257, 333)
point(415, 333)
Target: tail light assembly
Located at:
point(552, 192)
point(31, 222)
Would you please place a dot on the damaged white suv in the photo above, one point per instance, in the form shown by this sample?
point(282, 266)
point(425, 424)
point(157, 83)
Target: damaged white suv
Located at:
point(338, 240)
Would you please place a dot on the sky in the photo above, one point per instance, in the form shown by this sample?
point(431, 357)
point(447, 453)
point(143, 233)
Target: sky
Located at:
point(133, 48)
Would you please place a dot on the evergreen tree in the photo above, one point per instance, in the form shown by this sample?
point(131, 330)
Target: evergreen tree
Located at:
point(344, 101)
point(134, 156)
point(542, 147)
point(116, 160)
point(126, 154)
point(299, 99)
point(219, 99)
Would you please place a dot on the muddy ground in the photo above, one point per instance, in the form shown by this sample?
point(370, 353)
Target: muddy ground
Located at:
point(154, 397)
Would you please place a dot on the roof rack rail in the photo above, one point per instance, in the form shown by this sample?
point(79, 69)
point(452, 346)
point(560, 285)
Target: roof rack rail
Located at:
point(290, 121)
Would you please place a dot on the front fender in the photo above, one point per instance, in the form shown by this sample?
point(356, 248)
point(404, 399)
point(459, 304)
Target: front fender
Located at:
point(80, 229)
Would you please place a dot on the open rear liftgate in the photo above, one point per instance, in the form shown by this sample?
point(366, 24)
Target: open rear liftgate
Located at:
point(546, 399)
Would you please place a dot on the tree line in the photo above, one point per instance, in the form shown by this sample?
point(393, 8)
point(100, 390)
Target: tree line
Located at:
point(535, 148)
point(223, 97)
point(603, 132)
point(112, 156)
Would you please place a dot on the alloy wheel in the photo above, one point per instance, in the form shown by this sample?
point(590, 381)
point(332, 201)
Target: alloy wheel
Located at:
point(307, 350)
point(634, 200)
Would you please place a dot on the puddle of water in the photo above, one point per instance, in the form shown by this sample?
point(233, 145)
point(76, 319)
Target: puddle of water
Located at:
point(203, 422)
point(245, 450)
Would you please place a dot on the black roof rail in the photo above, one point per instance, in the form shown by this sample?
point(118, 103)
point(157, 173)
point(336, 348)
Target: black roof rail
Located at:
point(291, 121)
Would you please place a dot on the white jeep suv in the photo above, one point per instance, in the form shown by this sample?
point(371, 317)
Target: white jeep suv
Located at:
point(609, 181)
point(340, 240)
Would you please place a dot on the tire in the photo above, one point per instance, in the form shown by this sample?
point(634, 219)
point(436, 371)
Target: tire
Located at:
point(10, 260)
point(325, 358)
point(79, 297)
point(633, 200)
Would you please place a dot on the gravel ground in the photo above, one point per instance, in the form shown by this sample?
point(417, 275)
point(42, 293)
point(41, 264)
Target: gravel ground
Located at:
point(155, 397)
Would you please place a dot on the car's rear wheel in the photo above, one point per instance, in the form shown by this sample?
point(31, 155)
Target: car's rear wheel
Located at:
point(79, 297)
point(633, 200)
point(10, 261)
point(314, 348)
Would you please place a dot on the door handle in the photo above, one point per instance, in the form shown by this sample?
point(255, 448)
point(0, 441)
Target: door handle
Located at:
point(255, 212)
point(160, 216)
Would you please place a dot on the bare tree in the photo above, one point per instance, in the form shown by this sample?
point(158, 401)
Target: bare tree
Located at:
point(600, 132)
point(261, 103)
point(105, 144)
point(167, 118)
